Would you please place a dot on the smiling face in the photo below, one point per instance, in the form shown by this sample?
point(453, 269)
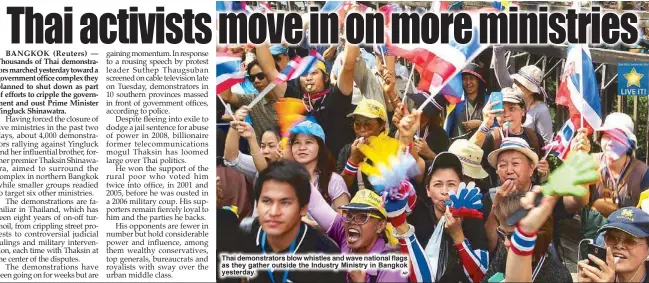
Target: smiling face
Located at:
point(442, 182)
point(470, 84)
point(632, 251)
point(514, 165)
point(305, 149)
point(279, 209)
point(362, 229)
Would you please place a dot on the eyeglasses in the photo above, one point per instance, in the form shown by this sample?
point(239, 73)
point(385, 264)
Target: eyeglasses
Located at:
point(503, 235)
point(628, 242)
point(259, 76)
point(358, 218)
point(367, 124)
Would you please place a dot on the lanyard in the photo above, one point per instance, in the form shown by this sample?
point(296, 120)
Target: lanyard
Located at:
point(291, 250)
point(538, 268)
point(616, 182)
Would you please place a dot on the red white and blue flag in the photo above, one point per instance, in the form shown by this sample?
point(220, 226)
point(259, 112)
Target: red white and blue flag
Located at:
point(560, 146)
point(297, 67)
point(228, 72)
point(230, 6)
point(438, 64)
point(580, 100)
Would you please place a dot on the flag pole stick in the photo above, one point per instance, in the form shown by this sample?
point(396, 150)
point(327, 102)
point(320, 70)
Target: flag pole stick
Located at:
point(227, 107)
point(412, 72)
point(262, 94)
point(457, 71)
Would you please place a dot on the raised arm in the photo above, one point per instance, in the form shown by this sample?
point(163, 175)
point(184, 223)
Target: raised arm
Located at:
point(268, 66)
point(345, 80)
point(500, 68)
point(488, 117)
point(320, 210)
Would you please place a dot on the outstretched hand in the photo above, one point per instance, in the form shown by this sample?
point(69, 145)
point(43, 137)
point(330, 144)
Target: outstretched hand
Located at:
point(571, 177)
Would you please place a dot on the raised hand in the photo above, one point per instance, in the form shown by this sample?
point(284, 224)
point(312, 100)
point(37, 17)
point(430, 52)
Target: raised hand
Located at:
point(569, 179)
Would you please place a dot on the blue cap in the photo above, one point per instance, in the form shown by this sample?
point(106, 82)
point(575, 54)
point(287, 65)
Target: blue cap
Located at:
point(309, 128)
point(631, 220)
point(278, 49)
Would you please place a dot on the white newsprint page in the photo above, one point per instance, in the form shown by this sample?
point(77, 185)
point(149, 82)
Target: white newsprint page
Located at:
point(107, 153)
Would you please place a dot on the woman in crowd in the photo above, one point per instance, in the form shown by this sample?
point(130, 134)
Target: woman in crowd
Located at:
point(307, 147)
point(370, 120)
point(627, 249)
point(260, 156)
point(545, 264)
point(511, 119)
point(361, 228)
point(466, 116)
point(623, 177)
point(529, 80)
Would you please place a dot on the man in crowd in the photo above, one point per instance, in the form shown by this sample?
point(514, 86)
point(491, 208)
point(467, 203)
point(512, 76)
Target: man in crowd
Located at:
point(282, 193)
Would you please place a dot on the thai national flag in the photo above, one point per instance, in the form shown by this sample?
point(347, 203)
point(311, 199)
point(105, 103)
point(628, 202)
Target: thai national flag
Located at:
point(560, 146)
point(230, 6)
point(228, 72)
point(580, 100)
point(439, 63)
point(297, 67)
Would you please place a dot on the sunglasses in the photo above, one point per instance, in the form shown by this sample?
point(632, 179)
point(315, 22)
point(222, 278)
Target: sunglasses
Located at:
point(628, 242)
point(358, 218)
point(367, 124)
point(259, 76)
point(503, 235)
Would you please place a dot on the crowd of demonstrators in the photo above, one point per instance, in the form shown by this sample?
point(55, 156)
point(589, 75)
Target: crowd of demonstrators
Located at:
point(303, 190)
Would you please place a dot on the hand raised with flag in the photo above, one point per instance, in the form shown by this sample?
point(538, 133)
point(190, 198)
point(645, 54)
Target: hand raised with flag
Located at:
point(570, 178)
point(580, 141)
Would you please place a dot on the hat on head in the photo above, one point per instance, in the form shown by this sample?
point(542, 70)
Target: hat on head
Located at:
point(631, 220)
point(278, 49)
point(474, 69)
point(309, 128)
point(618, 121)
point(517, 144)
point(531, 77)
point(434, 107)
point(446, 160)
point(512, 95)
point(366, 200)
point(370, 108)
point(471, 156)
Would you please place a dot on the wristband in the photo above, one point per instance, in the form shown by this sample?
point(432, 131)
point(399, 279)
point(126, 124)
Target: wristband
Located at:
point(410, 232)
point(484, 129)
point(523, 243)
point(350, 168)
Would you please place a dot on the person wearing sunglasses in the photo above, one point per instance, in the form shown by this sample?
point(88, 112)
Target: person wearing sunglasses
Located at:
point(361, 228)
point(627, 249)
point(370, 119)
point(544, 264)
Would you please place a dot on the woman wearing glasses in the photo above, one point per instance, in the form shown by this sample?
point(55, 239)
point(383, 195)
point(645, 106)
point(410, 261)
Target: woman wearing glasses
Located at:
point(370, 119)
point(627, 252)
point(360, 229)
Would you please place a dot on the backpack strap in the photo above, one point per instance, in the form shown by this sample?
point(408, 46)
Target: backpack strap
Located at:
point(498, 138)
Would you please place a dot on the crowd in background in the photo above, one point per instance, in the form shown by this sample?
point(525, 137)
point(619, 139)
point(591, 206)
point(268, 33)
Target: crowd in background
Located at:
point(303, 191)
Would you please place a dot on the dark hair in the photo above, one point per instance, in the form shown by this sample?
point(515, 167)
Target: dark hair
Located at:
point(431, 171)
point(325, 165)
point(256, 63)
point(286, 171)
point(274, 129)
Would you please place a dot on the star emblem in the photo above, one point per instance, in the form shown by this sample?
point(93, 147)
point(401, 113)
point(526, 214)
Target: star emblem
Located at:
point(633, 78)
point(627, 213)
